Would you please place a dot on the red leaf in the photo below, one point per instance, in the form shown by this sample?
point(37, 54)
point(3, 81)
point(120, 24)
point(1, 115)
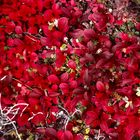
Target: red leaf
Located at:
point(32, 30)
point(10, 42)
point(44, 41)
point(68, 135)
point(10, 27)
point(6, 101)
point(23, 120)
point(78, 90)
point(129, 133)
point(60, 134)
point(138, 26)
point(90, 117)
point(51, 132)
point(104, 126)
point(64, 77)
point(72, 64)
point(89, 57)
point(133, 65)
point(53, 93)
point(18, 30)
point(89, 33)
point(40, 5)
point(33, 101)
point(60, 58)
point(41, 130)
point(53, 79)
point(73, 83)
point(63, 24)
point(100, 63)
point(38, 119)
point(35, 93)
point(100, 86)
point(107, 54)
point(109, 109)
point(99, 19)
point(63, 86)
point(48, 14)
point(54, 87)
point(86, 77)
point(79, 137)
point(77, 33)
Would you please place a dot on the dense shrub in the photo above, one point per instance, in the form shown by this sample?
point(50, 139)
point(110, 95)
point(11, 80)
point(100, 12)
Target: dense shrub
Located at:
point(69, 70)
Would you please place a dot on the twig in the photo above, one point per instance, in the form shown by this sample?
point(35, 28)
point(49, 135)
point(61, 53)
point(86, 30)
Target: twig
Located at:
point(77, 110)
point(99, 136)
point(67, 115)
point(64, 110)
point(6, 120)
point(0, 105)
point(16, 105)
point(34, 115)
point(3, 77)
point(22, 83)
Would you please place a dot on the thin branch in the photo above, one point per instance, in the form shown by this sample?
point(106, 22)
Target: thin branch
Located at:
point(1, 113)
point(14, 114)
point(67, 121)
point(77, 110)
point(22, 83)
point(19, 104)
point(7, 119)
point(3, 77)
point(24, 109)
point(99, 136)
point(67, 116)
point(34, 115)
point(64, 110)
point(16, 130)
point(14, 126)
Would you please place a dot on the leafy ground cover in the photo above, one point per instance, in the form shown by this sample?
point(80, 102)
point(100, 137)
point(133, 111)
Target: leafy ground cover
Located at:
point(69, 70)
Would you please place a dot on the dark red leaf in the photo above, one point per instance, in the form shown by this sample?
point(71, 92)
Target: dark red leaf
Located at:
point(90, 117)
point(51, 132)
point(72, 64)
point(60, 58)
point(89, 34)
point(22, 120)
point(100, 86)
point(39, 118)
point(53, 93)
point(64, 77)
point(18, 30)
point(63, 24)
point(53, 79)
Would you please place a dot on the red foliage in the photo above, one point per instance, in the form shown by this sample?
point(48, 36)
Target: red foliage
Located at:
point(61, 55)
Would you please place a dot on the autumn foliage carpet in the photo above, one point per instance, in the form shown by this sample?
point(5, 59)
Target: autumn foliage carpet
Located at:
point(69, 70)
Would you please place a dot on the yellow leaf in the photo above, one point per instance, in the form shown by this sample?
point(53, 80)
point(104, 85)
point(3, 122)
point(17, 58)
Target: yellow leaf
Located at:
point(86, 137)
point(87, 130)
